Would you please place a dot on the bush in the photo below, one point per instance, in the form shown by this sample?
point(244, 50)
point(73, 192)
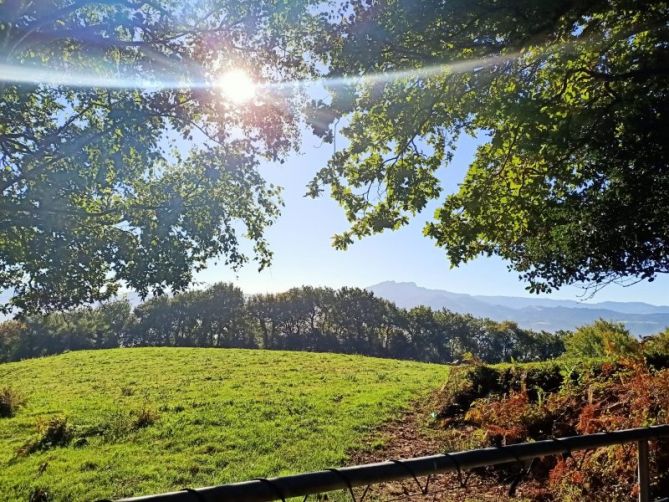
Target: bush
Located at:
point(635, 395)
point(144, 417)
point(593, 398)
point(10, 402)
point(511, 419)
point(120, 423)
point(51, 432)
point(468, 384)
point(657, 344)
point(601, 339)
point(534, 381)
point(116, 426)
point(656, 350)
point(465, 385)
point(39, 495)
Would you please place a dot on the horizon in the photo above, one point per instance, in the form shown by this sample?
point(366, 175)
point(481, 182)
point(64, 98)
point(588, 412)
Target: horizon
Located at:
point(590, 301)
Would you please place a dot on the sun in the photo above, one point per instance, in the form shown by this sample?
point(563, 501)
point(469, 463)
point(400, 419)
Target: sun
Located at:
point(237, 86)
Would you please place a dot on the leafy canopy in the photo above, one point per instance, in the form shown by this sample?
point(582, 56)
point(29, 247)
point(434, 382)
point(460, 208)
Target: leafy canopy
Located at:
point(601, 339)
point(97, 187)
point(571, 98)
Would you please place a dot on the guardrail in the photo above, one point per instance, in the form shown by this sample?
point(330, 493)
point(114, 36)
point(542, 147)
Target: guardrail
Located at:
point(346, 478)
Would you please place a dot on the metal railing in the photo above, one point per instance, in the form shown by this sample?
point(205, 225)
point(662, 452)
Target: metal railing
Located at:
point(347, 478)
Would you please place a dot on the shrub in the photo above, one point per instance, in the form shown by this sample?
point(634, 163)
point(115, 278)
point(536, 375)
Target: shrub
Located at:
point(656, 350)
point(119, 423)
point(535, 381)
point(51, 432)
point(144, 417)
point(39, 495)
point(657, 344)
point(503, 420)
point(464, 386)
point(468, 384)
point(10, 402)
point(116, 426)
point(513, 419)
point(601, 339)
point(596, 397)
point(127, 391)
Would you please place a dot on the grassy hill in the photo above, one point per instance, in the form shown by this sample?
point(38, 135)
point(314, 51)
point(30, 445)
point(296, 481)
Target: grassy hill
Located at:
point(140, 421)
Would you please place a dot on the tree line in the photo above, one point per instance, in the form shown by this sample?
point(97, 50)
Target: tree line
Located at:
point(346, 320)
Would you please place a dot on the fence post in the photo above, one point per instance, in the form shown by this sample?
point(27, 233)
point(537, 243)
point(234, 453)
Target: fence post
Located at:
point(643, 477)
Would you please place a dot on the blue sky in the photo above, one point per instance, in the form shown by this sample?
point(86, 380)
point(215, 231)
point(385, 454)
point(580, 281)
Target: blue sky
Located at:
point(303, 254)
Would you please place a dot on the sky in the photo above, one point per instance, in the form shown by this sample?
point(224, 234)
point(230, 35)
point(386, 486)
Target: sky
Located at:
point(303, 255)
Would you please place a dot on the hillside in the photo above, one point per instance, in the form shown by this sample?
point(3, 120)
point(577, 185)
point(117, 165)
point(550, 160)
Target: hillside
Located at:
point(148, 420)
point(531, 313)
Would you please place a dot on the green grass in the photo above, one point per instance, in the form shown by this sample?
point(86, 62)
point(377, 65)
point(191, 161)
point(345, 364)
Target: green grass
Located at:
point(223, 415)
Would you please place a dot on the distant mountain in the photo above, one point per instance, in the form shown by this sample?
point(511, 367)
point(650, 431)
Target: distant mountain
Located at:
point(536, 313)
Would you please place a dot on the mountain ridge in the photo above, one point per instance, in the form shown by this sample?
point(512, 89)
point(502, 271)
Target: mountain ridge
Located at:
point(535, 313)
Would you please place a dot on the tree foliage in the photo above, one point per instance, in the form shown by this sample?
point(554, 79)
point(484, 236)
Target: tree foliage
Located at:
point(84, 328)
point(214, 317)
point(601, 339)
point(571, 98)
point(97, 187)
point(658, 344)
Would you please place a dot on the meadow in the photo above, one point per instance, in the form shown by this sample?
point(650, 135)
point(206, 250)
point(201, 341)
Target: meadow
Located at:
point(127, 422)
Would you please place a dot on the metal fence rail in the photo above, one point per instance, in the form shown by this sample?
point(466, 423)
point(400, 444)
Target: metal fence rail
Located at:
point(346, 478)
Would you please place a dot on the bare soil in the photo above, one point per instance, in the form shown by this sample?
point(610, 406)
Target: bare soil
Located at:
point(412, 435)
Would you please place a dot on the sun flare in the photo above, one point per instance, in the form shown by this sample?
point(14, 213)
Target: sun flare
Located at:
point(237, 86)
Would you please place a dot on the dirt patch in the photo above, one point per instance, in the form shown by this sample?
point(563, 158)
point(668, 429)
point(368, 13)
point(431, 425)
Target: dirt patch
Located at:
point(412, 435)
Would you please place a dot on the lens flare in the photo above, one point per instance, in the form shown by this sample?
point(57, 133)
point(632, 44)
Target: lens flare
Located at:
point(237, 86)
